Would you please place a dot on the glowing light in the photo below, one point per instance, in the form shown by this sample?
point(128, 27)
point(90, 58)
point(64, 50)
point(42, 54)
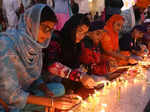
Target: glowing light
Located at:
point(104, 105)
point(103, 110)
point(90, 0)
point(134, 75)
point(128, 4)
point(80, 98)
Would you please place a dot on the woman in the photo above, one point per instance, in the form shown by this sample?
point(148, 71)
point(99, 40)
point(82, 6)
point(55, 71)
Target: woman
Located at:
point(66, 49)
point(110, 40)
point(91, 55)
point(21, 59)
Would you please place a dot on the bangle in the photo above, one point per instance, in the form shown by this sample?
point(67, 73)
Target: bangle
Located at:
point(52, 103)
point(81, 75)
point(69, 71)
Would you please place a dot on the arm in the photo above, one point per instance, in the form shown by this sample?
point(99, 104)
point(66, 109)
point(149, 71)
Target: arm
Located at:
point(11, 90)
point(108, 48)
point(13, 95)
point(45, 89)
point(37, 100)
point(75, 75)
point(56, 68)
point(61, 103)
point(64, 71)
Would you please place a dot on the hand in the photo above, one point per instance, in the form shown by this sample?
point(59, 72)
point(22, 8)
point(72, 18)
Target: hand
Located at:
point(48, 93)
point(132, 61)
point(66, 102)
point(88, 81)
point(112, 69)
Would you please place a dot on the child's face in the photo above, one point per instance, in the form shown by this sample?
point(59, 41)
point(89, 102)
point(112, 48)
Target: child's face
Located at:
point(96, 35)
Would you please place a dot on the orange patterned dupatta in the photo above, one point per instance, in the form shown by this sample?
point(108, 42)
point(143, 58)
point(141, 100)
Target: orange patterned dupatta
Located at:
point(110, 40)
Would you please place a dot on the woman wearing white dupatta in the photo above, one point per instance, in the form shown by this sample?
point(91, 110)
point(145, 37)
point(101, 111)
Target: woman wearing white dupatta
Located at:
point(21, 60)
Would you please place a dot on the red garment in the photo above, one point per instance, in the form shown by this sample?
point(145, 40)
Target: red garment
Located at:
point(88, 56)
point(64, 71)
point(93, 58)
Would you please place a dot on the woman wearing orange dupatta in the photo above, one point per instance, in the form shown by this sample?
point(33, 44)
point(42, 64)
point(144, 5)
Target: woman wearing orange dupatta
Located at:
point(110, 40)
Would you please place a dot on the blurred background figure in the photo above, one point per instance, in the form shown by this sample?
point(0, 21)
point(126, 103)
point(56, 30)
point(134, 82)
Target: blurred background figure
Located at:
point(10, 7)
point(62, 9)
point(96, 17)
point(2, 22)
point(74, 7)
point(112, 7)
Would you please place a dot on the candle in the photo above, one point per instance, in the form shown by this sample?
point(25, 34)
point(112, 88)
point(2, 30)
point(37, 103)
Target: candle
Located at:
point(118, 94)
point(143, 88)
point(125, 83)
point(103, 110)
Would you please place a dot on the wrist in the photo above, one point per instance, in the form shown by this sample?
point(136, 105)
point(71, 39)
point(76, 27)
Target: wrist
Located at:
point(68, 73)
point(82, 75)
point(75, 75)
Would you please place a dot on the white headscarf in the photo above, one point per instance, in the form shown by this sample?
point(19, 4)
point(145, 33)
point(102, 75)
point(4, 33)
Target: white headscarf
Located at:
point(25, 40)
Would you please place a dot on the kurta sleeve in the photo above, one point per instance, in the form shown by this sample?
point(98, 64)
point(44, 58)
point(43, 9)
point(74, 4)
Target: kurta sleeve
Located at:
point(11, 91)
point(54, 65)
point(64, 71)
point(53, 52)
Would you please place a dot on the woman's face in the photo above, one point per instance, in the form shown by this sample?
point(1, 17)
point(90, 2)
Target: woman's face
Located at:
point(81, 32)
point(137, 34)
point(96, 35)
point(118, 25)
point(45, 31)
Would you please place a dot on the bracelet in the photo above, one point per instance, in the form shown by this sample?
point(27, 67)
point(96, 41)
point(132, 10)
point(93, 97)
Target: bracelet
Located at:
point(68, 73)
point(81, 75)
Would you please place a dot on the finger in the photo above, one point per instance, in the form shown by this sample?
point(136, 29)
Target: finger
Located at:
point(66, 106)
point(72, 95)
point(68, 100)
point(71, 100)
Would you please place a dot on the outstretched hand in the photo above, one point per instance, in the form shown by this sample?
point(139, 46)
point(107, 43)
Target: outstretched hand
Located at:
point(66, 102)
point(132, 61)
point(88, 81)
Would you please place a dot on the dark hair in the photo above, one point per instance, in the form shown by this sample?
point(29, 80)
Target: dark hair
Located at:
point(75, 8)
point(1, 16)
point(70, 50)
point(70, 27)
point(140, 28)
point(96, 25)
point(48, 14)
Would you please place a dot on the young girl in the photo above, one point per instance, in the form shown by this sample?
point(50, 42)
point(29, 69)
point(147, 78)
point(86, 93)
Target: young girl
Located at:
point(65, 49)
point(21, 60)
